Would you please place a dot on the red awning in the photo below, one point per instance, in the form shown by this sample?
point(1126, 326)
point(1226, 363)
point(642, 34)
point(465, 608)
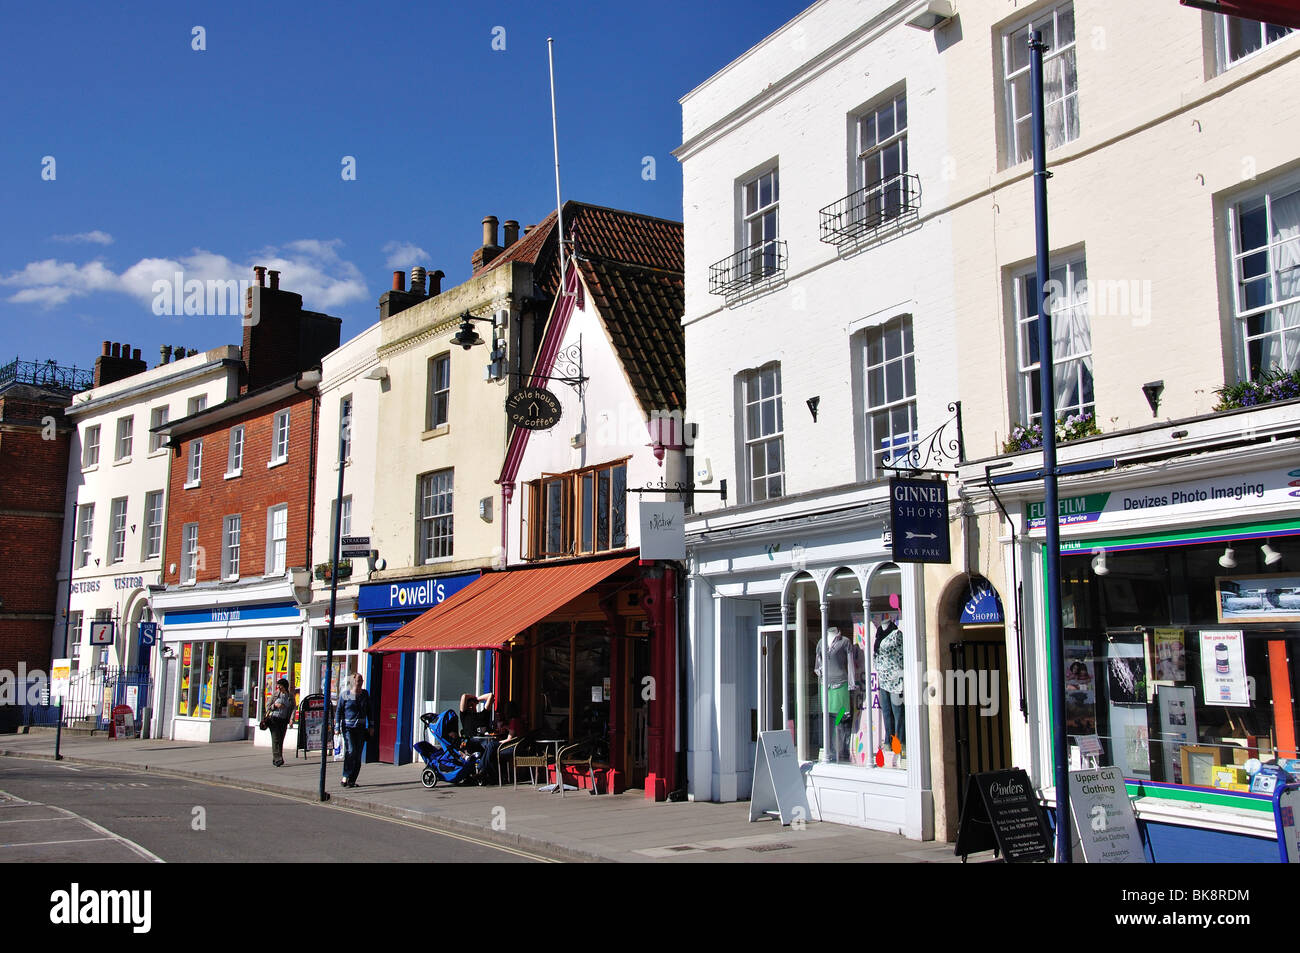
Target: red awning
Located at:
point(1279, 12)
point(497, 606)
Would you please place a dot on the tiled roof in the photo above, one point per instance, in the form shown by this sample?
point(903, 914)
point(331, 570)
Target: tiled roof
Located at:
point(642, 309)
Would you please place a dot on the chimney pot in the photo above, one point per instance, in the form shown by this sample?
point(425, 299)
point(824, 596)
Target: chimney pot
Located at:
point(165, 352)
point(435, 282)
point(260, 272)
point(490, 231)
point(417, 280)
point(399, 281)
point(511, 232)
point(126, 350)
point(135, 354)
point(116, 351)
point(106, 351)
point(275, 280)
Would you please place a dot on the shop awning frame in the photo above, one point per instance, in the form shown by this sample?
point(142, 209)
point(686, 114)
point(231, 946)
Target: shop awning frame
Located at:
point(497, 606)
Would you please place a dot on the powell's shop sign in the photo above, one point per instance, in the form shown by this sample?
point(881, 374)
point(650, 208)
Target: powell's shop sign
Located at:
point(918, 520)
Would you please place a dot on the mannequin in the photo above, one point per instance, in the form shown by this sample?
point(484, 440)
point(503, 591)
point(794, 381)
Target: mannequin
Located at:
point(835, 663)
point(888, 654)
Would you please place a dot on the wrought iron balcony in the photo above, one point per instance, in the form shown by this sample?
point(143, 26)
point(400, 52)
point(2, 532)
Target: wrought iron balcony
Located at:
point(748, 268)
point(866, 213)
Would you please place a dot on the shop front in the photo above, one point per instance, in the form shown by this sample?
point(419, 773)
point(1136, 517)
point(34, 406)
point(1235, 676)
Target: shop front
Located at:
point(581, 651)
point(1180, 601)
point(404, 686)
point(222, 661)
point(805, 625)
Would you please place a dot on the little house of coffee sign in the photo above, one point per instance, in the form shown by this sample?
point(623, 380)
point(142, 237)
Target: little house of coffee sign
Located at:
point(533, 408)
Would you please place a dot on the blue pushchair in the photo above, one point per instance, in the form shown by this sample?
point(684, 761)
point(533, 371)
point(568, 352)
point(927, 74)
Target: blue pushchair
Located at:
point(440, 758)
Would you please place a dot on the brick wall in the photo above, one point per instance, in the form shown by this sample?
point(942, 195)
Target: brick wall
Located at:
point(250, 495)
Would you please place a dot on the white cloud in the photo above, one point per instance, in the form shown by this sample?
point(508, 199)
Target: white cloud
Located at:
point(95, 238)
point(310, 267)
point(404, 254)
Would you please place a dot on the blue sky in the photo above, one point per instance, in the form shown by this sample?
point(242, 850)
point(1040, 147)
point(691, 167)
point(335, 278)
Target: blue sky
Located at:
point(209, 161)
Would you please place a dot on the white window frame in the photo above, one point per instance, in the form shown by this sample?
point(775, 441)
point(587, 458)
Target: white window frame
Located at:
point(235, 453)
point(1265, 197)
point(277, 539)
point(157, 417)
point(72, 636)
point(438, 407)
point(877, 400)
point(751, 395)
point(194, 469)
point(888, 193)
point(196, 404)
point(279, 440)
point(124, 441)
point(153, 525)
point(231, 529)
point(117, 530)
point(85, 534)
point(1268, 35)
point(1071, 272)
point(189, 554)
point(436, 526)
point(1019, 125)
point(90, 448)
point(755, 214)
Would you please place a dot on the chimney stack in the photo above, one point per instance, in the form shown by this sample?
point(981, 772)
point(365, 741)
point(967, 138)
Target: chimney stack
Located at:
point(490, 249)
point(275, 280)
point(259, 271)
point(511, 232)
point(417, 281)
point(165, 352)
point(117, 362)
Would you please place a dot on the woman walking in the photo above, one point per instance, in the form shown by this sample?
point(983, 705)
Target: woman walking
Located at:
point(277, 719)
point(353, 719)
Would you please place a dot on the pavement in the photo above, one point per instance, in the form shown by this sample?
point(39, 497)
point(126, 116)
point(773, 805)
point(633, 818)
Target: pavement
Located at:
point(621, 828)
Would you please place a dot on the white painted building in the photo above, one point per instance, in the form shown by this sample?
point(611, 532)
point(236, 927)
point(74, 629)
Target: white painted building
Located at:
point(116, 498)
point(819, 348)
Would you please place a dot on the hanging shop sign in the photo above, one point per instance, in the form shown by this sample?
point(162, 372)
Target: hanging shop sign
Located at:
point(354, 546)
point(101, 633)
point(1176, 500)
point(1001, 813)
point(983, 607)
point(533, 408)
point(1103, 817)
point(663, 530)
point(918, 520)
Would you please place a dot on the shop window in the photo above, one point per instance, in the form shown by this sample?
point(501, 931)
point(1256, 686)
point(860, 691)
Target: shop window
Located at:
point(212, 680)
point(446, 676)
point(346, 659)
point(583, 511)
point(279, 660)
point(574, 692)
point(1175, 656)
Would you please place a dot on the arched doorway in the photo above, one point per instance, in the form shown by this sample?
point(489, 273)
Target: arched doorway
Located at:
point(973, 692)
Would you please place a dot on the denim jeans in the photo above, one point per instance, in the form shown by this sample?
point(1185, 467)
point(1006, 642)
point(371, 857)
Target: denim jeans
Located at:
point(354, 740)
point(891, 707)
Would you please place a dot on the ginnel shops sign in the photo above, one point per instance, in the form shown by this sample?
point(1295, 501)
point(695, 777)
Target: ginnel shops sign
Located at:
point(918, 520)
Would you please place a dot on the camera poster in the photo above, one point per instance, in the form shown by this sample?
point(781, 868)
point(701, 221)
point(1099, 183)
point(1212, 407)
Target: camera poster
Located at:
point(1223, 668)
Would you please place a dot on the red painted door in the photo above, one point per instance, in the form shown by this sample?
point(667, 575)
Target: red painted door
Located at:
point(389, 687)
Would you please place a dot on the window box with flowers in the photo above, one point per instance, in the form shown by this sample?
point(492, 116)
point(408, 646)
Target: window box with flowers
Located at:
point(322, 571)
point(1070, 427)
point(1273, 386)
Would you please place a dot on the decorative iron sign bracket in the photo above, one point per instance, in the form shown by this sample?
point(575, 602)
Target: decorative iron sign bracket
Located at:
point(939, 448)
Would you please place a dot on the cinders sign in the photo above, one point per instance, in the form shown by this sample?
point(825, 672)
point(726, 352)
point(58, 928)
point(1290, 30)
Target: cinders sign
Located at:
point(918, 520)
point(533, 408)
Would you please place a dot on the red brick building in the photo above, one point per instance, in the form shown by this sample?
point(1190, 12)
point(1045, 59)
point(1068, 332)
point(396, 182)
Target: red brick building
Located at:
point(34, 440)
point(238, 543)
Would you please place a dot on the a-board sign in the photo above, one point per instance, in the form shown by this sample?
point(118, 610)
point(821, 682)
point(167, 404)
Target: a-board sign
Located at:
point(533, 408)
point(1286, 811)
point(1105, 827)
point(123, 722)
point(1001, 813)
point(311, 723)
point(778, 783)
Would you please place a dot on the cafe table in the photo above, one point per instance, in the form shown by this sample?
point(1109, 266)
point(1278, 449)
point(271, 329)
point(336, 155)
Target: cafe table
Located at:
point(559, 777)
